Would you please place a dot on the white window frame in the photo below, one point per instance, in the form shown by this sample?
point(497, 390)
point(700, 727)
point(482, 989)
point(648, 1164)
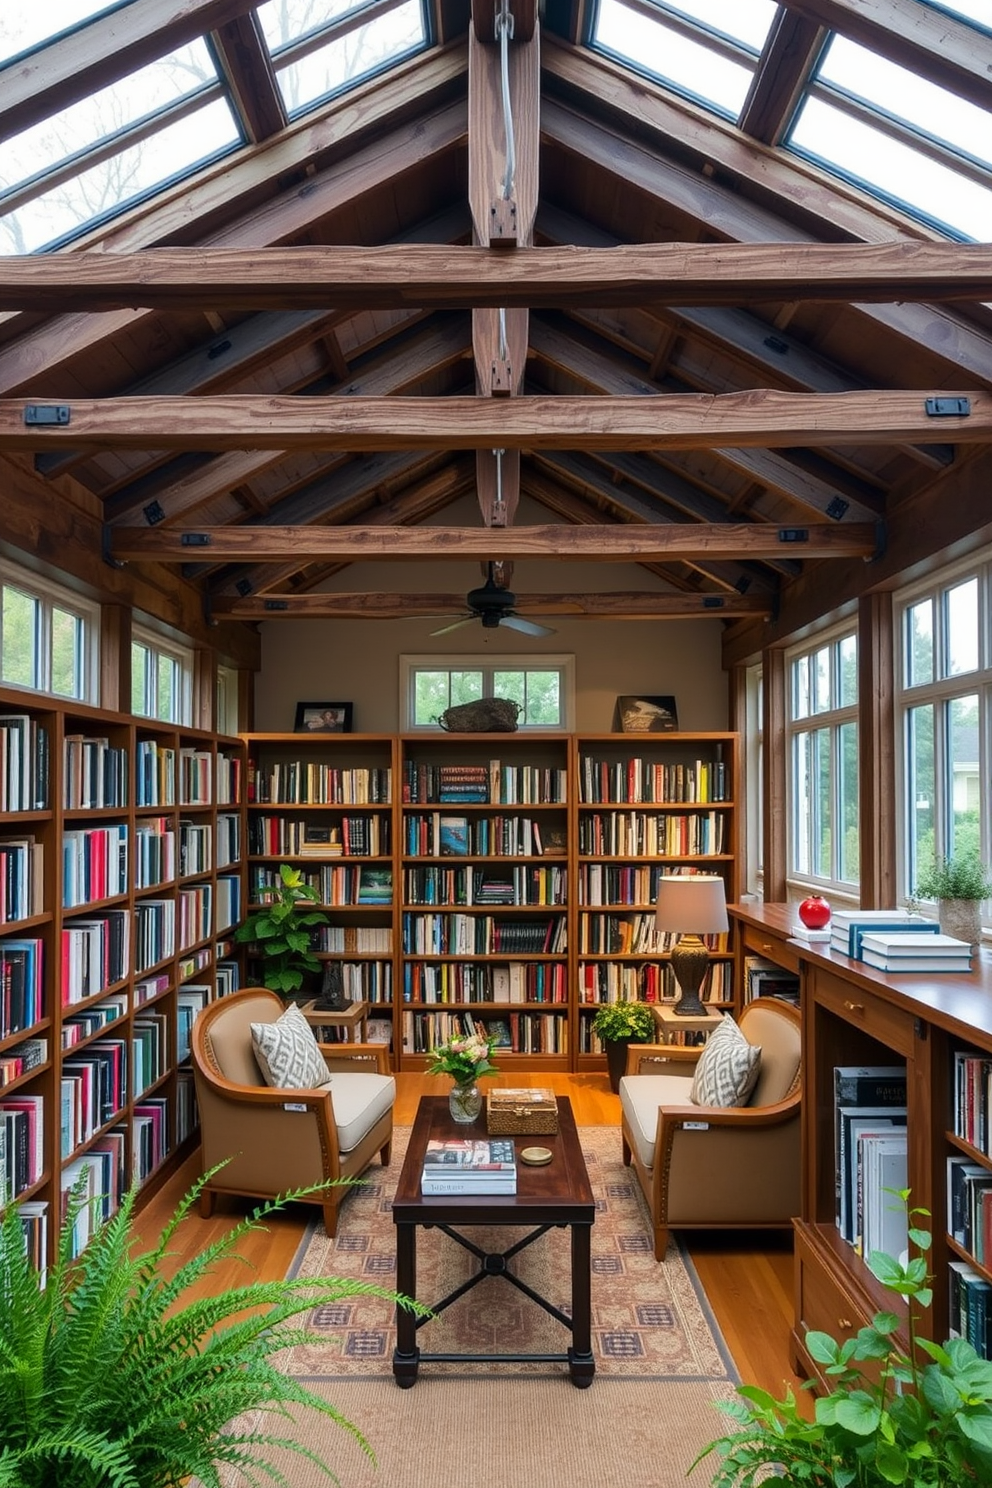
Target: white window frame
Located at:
point(159, 646)
point(51, 596)
point(227, 700)
point(410, 665)
point(831, 719)
point(941, 690)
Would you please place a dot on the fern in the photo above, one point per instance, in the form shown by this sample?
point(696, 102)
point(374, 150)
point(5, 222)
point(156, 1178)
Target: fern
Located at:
point(109, 1380)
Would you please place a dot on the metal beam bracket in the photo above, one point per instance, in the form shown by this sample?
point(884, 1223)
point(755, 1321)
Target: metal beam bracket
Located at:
point(106, 547)
point(793, 534)
point(195, 539)
point(503, 224)
point(41, 414)
point(947, 407)
point(276, 604)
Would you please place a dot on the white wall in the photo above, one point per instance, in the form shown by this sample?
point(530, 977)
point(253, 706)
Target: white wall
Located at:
point(358, 660)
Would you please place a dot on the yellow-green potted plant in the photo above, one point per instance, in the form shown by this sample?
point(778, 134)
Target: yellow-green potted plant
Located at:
point(958, 884)
point(619, 1024)
point(281, 931)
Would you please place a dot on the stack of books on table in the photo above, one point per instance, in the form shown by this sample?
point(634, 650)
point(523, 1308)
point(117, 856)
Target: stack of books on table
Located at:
point(848, 927)
point(470, 1166)
point(898, 951)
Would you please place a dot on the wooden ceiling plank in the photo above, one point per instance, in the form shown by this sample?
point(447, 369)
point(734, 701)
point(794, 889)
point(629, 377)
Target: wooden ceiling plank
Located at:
point(441, 276)
point(617, 543)
point(107, 48)
point(760, 418)
point(787, 58)
point(247, 66)
point(928, 42)
point(622, 605)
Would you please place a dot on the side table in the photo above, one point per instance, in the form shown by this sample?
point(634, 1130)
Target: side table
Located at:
point(353, 1019)
point(671, 1024)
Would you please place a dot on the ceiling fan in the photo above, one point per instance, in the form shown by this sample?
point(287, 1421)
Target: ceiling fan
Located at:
point(494, 606)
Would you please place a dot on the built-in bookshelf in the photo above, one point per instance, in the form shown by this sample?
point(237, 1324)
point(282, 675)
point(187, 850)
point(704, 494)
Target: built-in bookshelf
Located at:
point(647, 805)
point(326, 804)
point(916, 1051)
point(117, 833)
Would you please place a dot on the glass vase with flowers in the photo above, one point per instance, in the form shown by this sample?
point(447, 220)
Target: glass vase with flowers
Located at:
point(466, 1060)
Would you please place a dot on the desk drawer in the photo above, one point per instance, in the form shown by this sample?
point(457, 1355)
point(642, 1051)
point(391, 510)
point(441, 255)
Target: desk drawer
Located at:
point(823, 1301)
point(889, 1025)
point(773, 947)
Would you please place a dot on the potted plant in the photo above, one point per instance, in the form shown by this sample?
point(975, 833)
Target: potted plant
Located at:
point(619, 1024)
point(281, 931)
point(920, 1418)
point(959, 884)
point(110, 1379)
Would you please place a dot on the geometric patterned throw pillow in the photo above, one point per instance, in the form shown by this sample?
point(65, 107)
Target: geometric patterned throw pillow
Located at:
point(727, 1069)
point(287, 1052)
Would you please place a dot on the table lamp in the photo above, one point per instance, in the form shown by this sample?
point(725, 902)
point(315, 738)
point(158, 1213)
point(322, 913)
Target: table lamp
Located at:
point(689, 906)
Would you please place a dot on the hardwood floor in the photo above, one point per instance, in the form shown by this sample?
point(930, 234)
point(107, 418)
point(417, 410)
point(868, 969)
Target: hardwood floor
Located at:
point(747, 1279)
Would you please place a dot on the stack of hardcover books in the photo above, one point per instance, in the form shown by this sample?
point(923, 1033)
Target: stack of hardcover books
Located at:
point(898, 951)
point(470, 1166)
point(848, 927)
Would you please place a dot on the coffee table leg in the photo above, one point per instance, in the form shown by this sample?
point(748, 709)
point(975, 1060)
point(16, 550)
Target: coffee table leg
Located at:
point(406, 1355)
point(581, 1365)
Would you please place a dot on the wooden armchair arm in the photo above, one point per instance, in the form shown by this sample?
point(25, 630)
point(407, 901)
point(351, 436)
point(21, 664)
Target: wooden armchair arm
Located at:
point(649, 1054)
point(365, 1058)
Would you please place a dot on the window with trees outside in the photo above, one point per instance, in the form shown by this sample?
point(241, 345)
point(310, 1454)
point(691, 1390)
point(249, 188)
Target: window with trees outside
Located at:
point(543, 688)
point(944, 701)
point(161, 679)
point(49, 638)
point(823, 762)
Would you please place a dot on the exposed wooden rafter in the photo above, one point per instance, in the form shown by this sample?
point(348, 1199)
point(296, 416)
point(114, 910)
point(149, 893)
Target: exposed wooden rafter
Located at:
point(619, 605)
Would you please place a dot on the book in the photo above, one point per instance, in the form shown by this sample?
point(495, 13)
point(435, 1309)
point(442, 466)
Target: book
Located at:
point(453, 836)
point(434, 1185)
point(843, 921)
point(375, 885)
point(903, 927)
point(898, 945)
point(468, 1156)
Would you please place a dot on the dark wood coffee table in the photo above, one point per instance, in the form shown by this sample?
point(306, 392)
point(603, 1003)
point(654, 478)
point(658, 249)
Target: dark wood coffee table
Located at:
point(550, 1197)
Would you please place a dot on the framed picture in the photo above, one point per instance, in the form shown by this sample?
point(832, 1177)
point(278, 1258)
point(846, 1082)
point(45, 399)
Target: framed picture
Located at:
point(323, 718)
point(647, 715)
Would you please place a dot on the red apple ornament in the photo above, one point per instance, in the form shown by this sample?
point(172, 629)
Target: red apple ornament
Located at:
point(814, 912)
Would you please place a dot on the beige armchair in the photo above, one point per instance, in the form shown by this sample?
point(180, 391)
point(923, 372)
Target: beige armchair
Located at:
point(714, 1167)
point(272, 1140)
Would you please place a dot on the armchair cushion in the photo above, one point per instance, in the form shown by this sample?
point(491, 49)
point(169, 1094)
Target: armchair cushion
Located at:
point(641, 1096)
point(359, 1102)
point(727, 1070)
point(287, 1052)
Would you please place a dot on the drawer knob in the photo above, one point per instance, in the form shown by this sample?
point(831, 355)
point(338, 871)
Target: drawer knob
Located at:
point(854, 1007)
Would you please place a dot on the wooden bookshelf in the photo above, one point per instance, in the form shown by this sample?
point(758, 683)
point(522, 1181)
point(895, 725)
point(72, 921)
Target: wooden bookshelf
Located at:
point(122, 818)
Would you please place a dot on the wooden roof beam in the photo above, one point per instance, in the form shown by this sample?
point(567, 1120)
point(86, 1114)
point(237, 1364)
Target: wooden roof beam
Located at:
point(787, 59)
point(247, 66)
point(439, 276)
point(616, 543)
point(628, 605)
point(759, 418)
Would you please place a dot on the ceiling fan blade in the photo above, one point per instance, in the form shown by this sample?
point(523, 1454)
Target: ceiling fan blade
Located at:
point(527, 627)
point(455, 625)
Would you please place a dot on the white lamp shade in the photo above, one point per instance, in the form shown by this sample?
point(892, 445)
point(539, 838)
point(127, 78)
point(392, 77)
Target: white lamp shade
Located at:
point(693, 904)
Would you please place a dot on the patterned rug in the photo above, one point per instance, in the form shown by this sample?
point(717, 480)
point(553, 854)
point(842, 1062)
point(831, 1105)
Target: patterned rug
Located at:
point(650, 1321)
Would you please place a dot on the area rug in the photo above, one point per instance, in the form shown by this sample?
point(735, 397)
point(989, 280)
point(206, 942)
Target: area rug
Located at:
point(650, 1320)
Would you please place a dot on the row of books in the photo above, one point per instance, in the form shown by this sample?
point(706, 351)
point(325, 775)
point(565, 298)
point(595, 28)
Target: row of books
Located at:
point(308, 782)
point(94, 774)
point(470, 1166)
point(82, 1025)
point(227, 841)
point(969, 1207)
point(22, 1144)
point(508, 785)
point(195, 906)
point(95, 954)
point(633, 934)
point(196, 842)
point(640, 834)
point(360, 836)
point(94, 1184)
point(530, 1033)
point(627, 782)
point(94, 1091)
point(432, 834)
point(356, 940)
point(972, 1095)
point(24, 763)
point(94, 864)
point(457, 934)
point(633, 887)
point(764, 978)
point(870, 1151)
point(21, 984)
point(20, 1060)
point(650, 981)
point(156, 776)
point(523, 884)
point(895, 940)
point(970, 1307)
point(465, 981)
point(148, 1048)
point(154, 852)
point(340, 885)
point(22, 865)
point(150, 1136)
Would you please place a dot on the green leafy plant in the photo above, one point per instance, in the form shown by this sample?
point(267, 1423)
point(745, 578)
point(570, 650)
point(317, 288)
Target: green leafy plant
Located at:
point(107, 1381)
point(964, 877)
point(281, 931)
point(921, 1418)
point(616, 1021)
point(465, 1059)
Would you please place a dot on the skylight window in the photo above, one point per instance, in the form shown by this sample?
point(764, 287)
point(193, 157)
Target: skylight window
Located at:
point(321, 47)
point(26, 23)
point(704, 49)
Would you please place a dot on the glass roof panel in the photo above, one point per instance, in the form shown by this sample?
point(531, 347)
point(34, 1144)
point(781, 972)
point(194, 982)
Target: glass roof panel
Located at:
point(934, 111)
point(124, 177)
point(979, 11)
point(895, 170)
point(286, 22)
point(356, 53)
point(651, 46)
point(26, 23)
point(747, 21)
